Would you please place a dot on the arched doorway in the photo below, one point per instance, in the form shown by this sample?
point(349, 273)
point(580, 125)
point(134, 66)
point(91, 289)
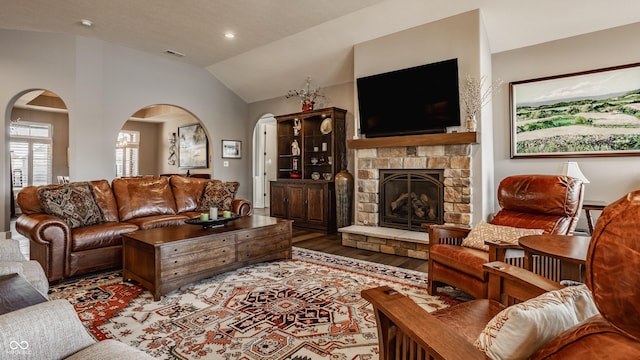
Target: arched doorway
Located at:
point(264, 161)
point(149, 140)
point(38, 130)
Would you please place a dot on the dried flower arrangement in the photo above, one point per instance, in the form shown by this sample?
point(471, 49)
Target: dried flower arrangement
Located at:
point(307, 96)
point(476, 94)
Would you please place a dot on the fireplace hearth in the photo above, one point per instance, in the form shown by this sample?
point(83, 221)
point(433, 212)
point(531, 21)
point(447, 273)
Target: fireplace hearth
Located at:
point(411, 197)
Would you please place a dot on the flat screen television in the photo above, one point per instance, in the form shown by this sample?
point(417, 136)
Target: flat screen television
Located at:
point(418, 100)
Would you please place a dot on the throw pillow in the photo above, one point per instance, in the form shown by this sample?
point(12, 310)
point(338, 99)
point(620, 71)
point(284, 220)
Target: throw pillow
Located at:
point(74, 203)
point(485, 231)
point(218, 194)
point(521, 329)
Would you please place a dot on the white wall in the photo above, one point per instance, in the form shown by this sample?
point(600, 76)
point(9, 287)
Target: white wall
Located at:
point(102, 85)
point(610, 177)
point(462, 37)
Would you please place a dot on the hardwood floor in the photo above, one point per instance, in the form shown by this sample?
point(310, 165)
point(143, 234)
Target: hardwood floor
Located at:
point(332, 244)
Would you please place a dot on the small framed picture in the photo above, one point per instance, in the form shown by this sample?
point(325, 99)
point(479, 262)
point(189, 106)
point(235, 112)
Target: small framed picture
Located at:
point(231, 149)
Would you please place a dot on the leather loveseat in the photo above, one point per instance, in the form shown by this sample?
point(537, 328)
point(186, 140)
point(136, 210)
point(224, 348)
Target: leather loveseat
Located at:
point(78, 229)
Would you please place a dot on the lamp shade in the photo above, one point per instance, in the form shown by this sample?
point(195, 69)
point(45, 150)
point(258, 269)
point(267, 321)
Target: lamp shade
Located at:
point(571, 168)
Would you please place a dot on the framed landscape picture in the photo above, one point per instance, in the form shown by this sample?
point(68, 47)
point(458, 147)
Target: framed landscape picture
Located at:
point(593, 113)
point(193, 147)
point(231, 149)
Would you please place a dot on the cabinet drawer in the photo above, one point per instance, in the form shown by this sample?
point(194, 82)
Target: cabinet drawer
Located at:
point(197, 246)
point(258, 247)
point(262, 232)
point(186, 264)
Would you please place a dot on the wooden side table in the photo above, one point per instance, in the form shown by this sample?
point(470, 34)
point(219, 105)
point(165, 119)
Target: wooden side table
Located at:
point(571, 251)
point(589, 205)
point(17, 293)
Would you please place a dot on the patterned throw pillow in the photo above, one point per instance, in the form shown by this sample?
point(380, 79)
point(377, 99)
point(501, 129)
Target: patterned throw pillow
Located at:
point(74, 203)
point(485, 231)
point(218, 194)
point(521, 329)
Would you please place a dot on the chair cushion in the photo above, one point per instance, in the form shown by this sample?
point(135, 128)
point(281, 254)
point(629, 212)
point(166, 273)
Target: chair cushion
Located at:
point(463, 259)
point(485, 231)
point(521, 329)
point(74, 203)
point(218, 194)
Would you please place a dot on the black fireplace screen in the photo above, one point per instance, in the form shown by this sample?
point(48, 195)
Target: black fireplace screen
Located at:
point(409, 198)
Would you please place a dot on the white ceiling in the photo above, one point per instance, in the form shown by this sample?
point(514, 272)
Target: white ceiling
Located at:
point(280, 42)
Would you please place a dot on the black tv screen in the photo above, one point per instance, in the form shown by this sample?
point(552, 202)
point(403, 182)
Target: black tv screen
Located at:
point(418, 100)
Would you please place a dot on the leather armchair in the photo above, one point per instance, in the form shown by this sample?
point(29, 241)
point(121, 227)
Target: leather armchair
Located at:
point(406, 331)
point(548, 202)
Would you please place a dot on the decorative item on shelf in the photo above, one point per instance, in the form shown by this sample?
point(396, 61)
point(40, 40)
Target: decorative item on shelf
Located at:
point(327, 176)
point(295, 148)
point(325, 126)
point(314, 161)
point(322, 159)
point(307, 96)
point(172, 149)
point(324, 146)
point(297, 125)
point(295, 164)
point(315, 175)
point(295, 175)
point(475, 94)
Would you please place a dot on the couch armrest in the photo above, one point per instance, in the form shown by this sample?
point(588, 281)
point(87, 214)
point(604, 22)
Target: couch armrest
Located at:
point(242, 207)
point(446, 234)
point(50, 242)
point(49, 330)
point(10, 251)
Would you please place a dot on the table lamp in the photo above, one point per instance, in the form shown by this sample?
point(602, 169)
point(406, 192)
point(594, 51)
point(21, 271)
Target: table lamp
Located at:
point(571, 168)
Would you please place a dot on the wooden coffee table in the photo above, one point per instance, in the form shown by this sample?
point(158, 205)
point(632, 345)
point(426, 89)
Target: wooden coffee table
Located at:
point(17, 293)
point(163, 259)
point(571, 251)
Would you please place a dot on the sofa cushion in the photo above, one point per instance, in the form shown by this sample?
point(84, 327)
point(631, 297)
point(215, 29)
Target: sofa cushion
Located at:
point(187, 191)
point(105, 199)
point(485, 231)
point(519, 330)
point(466, 260)
point(74, 203)
point(99, 235)
point(218, 194)
point(143, 196)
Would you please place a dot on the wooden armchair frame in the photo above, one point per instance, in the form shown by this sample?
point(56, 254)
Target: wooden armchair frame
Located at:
point(407, 332)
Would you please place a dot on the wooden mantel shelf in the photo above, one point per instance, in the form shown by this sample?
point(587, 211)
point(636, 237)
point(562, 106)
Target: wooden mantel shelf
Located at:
point(414, 140)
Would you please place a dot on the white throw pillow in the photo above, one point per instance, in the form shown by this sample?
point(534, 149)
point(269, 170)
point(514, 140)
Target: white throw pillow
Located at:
point(521, 329)
point(485, 231)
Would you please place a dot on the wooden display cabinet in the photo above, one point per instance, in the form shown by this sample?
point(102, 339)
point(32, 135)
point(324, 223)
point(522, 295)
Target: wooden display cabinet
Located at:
point(311, 145)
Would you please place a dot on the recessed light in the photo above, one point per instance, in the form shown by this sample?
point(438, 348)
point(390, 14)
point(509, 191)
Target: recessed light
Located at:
point(229, 35)
point(86, 22)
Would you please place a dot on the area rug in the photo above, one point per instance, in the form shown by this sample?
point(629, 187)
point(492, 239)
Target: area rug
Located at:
point(306, 308)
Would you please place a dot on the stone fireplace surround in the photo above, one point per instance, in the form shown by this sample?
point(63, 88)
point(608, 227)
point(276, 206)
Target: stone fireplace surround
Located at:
point(455, 159)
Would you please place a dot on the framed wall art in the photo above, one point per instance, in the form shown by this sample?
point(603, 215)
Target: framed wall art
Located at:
point(592, 113)
point(231, 149)
point(193, 147)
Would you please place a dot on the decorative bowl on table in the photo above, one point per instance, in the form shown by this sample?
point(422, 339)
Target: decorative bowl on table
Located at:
point(212, 223)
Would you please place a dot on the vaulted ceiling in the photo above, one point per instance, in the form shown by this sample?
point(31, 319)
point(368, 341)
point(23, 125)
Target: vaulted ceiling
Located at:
point(278, 43)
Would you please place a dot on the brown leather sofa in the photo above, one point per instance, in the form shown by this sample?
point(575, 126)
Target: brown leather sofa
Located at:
point(127, 204)
point(407, 331)
point(547, 202)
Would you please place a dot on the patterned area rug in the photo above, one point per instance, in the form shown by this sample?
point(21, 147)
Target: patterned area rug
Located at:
point(308, 308)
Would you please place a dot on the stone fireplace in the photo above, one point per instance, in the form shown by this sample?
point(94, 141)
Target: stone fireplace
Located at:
point(454, 161)
point(442, 160)
point(410, 197)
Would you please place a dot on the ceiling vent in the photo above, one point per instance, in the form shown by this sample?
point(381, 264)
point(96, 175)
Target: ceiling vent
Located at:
point(174, 53)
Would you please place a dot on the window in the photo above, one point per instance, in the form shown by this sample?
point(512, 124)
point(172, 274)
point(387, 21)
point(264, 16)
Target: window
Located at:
point(127, 153)
point(31, 152)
